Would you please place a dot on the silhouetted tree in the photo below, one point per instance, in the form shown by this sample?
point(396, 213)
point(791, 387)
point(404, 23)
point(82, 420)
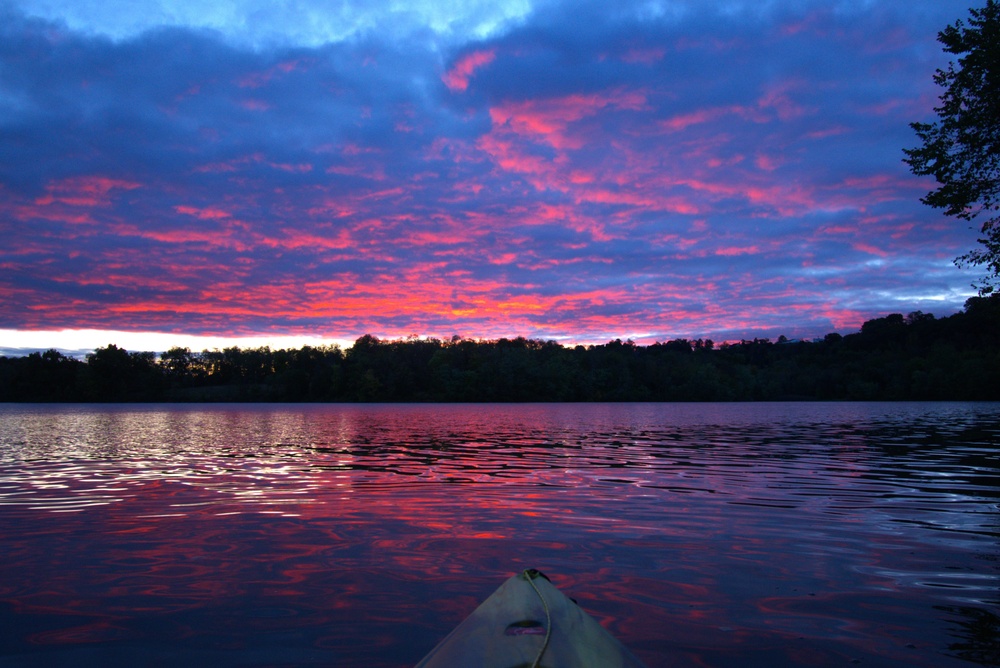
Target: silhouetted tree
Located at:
point(962, 148)
point(47, 376)
point(114, 374)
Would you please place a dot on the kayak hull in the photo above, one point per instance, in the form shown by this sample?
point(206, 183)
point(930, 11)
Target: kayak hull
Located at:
point(525, 617)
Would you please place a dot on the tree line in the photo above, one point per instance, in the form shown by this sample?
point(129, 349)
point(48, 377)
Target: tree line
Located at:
point(896, 357)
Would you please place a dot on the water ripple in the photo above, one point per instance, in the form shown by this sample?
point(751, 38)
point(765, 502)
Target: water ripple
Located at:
point(858, 503)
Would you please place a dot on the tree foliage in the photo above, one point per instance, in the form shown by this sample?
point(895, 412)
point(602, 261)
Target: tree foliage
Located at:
point(962, 148)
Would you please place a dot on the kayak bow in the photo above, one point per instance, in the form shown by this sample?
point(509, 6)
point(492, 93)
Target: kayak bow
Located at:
point(527, 622)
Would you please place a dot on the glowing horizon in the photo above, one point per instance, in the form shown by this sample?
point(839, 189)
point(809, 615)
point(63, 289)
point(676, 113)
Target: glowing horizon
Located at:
point(79, 342)
point(555, 170)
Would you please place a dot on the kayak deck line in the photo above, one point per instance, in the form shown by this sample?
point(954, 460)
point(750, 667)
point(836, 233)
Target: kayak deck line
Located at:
point(528, 623)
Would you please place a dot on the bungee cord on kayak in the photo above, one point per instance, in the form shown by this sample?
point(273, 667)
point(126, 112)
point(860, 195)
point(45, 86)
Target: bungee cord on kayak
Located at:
point(530, 574)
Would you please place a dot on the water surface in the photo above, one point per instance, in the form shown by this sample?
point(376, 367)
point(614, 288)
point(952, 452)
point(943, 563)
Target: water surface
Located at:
point(700, 535)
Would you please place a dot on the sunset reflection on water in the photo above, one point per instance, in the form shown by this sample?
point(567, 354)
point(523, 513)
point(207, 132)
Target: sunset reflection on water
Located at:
point(700, 535)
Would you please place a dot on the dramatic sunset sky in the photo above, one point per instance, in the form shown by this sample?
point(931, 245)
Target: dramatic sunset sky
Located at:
point(315, 170)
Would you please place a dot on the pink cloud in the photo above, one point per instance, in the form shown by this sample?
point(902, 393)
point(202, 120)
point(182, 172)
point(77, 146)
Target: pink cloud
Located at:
point(294, 239)
point(29, 212)
point(642, 200)
point(331, 207)
point(682, 121)
point(768, 163)
point(778, 99)
point(67, 200)
point(503, 258)
point(815, 22)
point(300, 168)
point(237, 164)
point(645, 56)
point(834, 131)
point(732, 251)
point(548, 119)
point(254, 105)
point(214, 238)
point(510, 157)
point(84, 191)
point(233, 165)
point(259, 79)
point(775, 99)
point(207, 213)
point(870, 249)
point(457, 78)
point(375, 173)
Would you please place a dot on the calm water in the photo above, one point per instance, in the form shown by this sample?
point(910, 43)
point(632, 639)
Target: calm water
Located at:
point(700, 535)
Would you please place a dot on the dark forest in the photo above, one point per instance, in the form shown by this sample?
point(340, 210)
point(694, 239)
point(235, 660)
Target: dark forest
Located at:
point(896, 357)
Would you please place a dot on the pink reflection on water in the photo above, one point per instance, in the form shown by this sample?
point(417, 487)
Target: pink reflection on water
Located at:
point(349, 537)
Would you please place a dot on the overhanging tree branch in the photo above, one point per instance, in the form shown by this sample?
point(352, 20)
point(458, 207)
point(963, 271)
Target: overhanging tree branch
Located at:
point(961, 150)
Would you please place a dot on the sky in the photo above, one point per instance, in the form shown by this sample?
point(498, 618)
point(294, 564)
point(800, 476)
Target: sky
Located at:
point(307, 171)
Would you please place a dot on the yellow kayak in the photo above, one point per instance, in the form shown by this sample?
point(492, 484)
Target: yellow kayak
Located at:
point(528, 623)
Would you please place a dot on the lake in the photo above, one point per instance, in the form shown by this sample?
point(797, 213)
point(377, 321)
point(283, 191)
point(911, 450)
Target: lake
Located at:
point(710, 535)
